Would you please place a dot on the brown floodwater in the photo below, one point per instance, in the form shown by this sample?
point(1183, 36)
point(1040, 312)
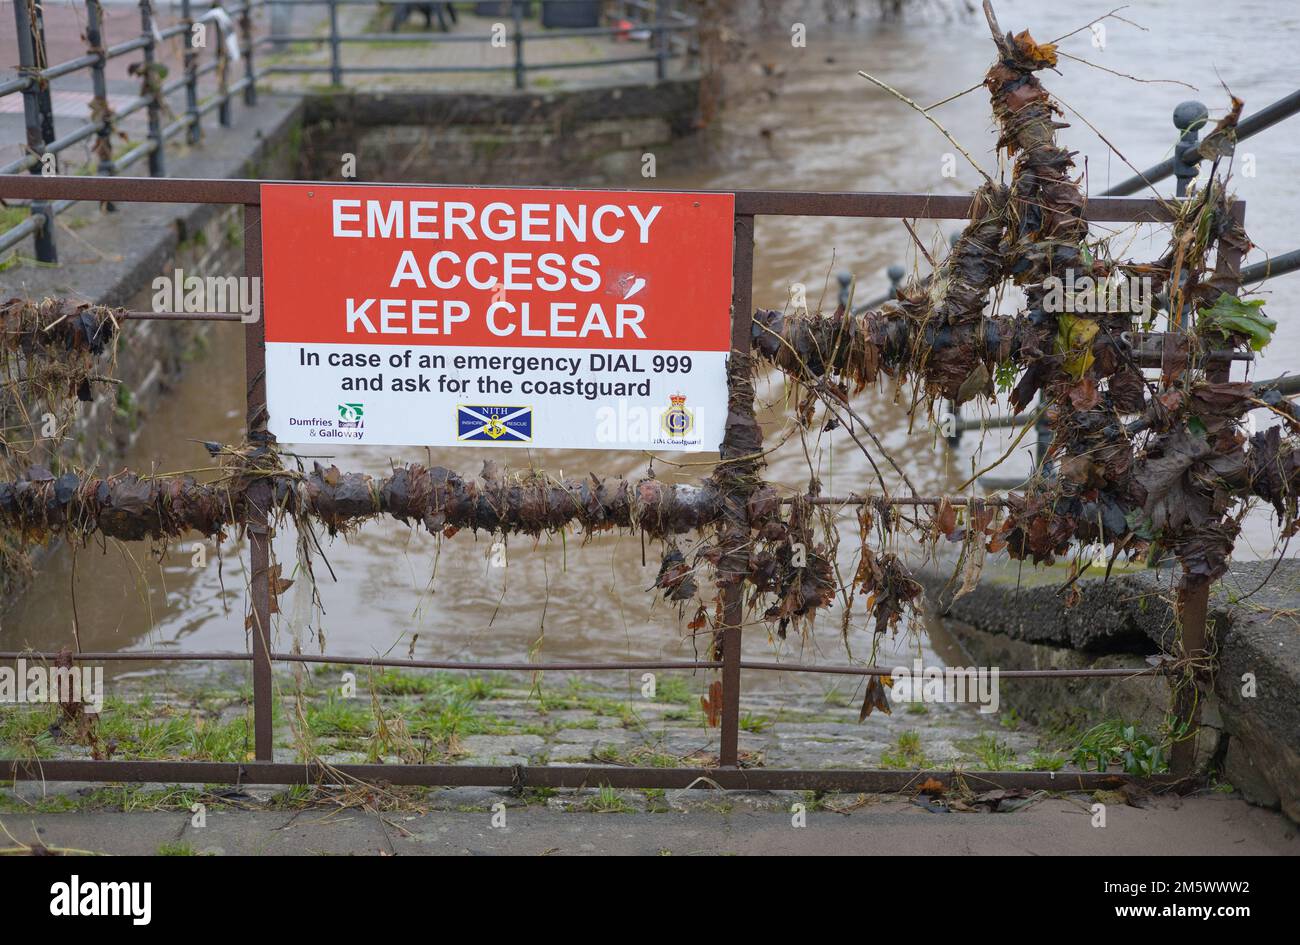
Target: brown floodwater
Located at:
point(800, 119)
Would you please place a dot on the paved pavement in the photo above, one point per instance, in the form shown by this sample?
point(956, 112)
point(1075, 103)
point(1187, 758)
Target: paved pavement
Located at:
point(1206, 826)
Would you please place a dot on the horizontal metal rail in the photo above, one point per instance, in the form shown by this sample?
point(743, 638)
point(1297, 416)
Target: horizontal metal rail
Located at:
point(163, 656)
point(1252, 124)
point(435, 38)
point(748, 202)
point(451, 70)
point(1286, 385)
point(395, 662)
point(183, 316)
point(1276, 266)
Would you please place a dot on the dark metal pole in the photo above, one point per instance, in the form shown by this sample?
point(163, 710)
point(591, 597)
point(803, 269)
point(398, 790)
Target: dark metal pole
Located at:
point(1277, 266)
point(517, 20)
point(259, 496)
point(36, 35)
point(38, 115)
point(1043, 432)
point(1194, 595)
point(336, 53)
point(661, 42)
point(223, 77)
point(153, 89)
point(281, 23)
point(953, 416)
point(250, 73)
point(99, 88)
point(191, 65)
point(1189, 118)
point(1194, 600)
point(733, 606)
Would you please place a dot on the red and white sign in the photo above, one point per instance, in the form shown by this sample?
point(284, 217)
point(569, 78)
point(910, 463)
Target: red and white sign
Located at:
point(547, 318)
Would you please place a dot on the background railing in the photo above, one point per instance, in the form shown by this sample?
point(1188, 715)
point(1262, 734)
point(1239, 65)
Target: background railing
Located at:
point(669, 30)
point(44, 145)
point(223, 69)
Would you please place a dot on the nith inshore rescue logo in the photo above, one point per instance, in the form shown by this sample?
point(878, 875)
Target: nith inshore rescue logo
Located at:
point(677, 420)
point(494, 424)
point(350, 416)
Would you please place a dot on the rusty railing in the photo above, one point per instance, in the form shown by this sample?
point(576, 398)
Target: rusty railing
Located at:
point(729, 773)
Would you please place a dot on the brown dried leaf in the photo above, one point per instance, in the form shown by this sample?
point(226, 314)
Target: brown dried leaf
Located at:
point(1084, 395)
point(877, 697)
point(1041, 55)
point(712, 704)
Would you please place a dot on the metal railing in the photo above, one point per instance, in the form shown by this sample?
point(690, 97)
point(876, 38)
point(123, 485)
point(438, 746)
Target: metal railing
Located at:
point(728, 773)
point(1189, 118)
point(175, 107)
point(660, 21)
point(44, 147)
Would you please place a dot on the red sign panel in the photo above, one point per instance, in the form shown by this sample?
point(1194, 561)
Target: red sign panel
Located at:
point(352, 272)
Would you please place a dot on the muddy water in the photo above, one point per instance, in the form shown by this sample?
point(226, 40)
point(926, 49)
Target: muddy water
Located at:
point(805, 121)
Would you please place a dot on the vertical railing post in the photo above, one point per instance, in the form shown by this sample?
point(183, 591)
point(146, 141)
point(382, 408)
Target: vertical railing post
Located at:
point(1189, 117)
point(281, 23)
point(153, 89)
point(517, 19)
point(250, 73)
point(223, 73)
point(38, 114)
point(1194, 595)
point(191, 66)
point(693, 43)
point(1193, 614)
point(100, 111)
point(259, 501)
point(336, 55)
point(737, 450)
point(661, 42)
point(1042, 442)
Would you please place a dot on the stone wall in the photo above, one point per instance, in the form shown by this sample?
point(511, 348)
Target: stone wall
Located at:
point(583, 136)
point(1250, 740)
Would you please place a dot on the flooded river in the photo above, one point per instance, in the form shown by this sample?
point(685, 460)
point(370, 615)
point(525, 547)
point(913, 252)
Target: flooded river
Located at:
point(800, 119)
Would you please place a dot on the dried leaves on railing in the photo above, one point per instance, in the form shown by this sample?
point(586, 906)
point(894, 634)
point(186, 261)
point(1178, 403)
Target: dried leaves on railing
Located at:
point(51, 346)
point(40, 505)
point(1170, 478)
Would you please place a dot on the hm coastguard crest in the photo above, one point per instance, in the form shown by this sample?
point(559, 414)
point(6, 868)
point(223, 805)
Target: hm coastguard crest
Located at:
point(677, 419)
